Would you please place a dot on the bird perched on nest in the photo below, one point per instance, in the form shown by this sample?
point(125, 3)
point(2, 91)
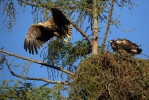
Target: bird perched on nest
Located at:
point(58, 26)
point(125, 46)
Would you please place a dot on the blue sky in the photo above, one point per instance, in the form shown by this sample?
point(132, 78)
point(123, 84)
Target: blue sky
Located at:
point(13, 42)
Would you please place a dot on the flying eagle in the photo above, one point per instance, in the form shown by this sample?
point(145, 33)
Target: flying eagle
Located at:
point(125, 45)
point(58, 26)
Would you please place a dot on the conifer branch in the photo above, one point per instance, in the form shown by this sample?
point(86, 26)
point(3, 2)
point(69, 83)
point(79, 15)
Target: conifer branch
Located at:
point(38, 62)
point(32, 78)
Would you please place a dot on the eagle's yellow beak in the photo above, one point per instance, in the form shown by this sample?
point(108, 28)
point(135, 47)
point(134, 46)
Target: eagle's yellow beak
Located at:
point(40, 24)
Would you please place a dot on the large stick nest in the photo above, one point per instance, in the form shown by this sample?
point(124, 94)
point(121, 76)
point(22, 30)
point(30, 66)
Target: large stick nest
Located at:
point(112, 77)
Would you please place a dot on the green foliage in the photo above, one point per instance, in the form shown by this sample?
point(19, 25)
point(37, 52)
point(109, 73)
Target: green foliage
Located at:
point(111, 77)
point(67, 54)
point(27, 91)
point(8, 9)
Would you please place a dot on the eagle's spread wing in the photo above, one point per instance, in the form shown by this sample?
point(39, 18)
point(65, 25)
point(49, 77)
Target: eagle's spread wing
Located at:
point(61, 20)
point(36, 37)
point(58, 16)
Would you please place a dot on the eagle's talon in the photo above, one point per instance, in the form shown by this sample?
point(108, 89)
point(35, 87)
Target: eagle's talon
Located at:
point(66, 40)
point(68, 36)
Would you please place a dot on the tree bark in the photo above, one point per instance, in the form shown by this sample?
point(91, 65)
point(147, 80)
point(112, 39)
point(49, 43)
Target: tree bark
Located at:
point(95, 28)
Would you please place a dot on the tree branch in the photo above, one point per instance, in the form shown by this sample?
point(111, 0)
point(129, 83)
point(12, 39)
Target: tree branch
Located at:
point(48, 7)
point(84, 34)
point(31, 78)
point(38, 62)
point(108, 26)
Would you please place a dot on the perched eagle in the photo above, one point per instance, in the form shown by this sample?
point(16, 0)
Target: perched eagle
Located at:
point(58, 26)
point(124, 45)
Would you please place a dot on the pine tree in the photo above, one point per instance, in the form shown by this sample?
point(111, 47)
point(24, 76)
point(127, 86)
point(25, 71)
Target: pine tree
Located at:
point(88, 70)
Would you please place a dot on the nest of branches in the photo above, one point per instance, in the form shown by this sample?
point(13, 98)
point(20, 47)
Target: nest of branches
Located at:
point(111, 77)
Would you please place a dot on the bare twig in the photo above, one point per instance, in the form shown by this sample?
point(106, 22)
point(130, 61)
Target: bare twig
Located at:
point(108, 26)
point(38, 62)
point(48, 7)
point(31, 78)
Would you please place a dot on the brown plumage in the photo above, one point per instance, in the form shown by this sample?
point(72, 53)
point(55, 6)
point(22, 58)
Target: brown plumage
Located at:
point(58, 26)
point(121, 45)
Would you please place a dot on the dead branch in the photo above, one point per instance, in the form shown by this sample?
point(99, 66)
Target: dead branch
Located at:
point(38, 62)
point(108, 26)
point(48, 7)
point(31, 78)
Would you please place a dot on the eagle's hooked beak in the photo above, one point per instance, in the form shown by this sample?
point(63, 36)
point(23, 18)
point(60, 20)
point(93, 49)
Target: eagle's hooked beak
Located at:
point(40, 24)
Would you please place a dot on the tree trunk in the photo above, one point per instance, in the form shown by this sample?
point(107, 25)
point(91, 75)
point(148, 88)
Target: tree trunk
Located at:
point(95, 28)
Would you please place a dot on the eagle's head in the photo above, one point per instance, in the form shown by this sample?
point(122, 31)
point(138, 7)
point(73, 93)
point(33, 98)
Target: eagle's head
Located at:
point(46, 24)
point(113, 45)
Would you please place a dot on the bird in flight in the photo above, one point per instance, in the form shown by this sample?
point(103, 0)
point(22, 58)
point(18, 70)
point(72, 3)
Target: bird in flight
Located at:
point(38, 34)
